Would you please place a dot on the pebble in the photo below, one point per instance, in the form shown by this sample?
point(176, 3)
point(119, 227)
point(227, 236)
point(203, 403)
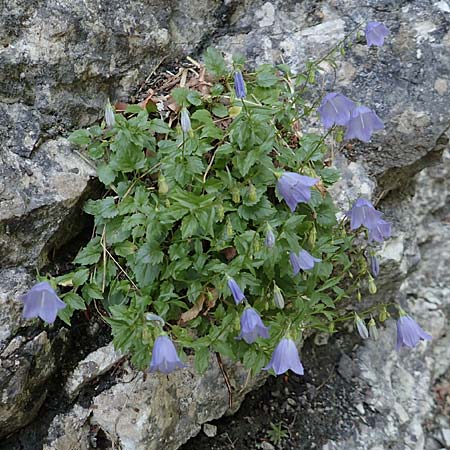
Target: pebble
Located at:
point(209, 429)
point(267, 446)
point(446, 436)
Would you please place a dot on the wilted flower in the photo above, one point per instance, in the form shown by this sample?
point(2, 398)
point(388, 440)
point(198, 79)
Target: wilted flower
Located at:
point(238, 295)
point(270, 237)
point(335, 109)
point(380, 232)
point(295, 188)
point(409, 332)
point(373, 330)
point(164, 356)
point(374, 265)
point(303, 261)
point(375, 33)
point(252, 327)
point(185, 120)
point(278, 298)
point(363, 213)
point(41, 301)
point(285, 357)
point(361, 326)
point(239, 84)
point(362, 124)
point(109, 115)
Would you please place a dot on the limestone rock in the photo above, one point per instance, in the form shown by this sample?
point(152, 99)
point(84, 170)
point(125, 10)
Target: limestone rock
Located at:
point(163, 411)
point(38, 198)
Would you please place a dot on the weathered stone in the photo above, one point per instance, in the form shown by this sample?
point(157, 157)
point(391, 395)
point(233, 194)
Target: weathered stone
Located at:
point(69, 431)
point(161, 411)
point(23, 377)
point(91, 367)
point(37, 198)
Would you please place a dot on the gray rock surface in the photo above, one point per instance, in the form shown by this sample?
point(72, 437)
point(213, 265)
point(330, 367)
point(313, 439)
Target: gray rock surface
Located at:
point(402, 386)
point(405, 81)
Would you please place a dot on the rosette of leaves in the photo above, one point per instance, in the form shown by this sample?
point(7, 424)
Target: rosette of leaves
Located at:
point(182, 211)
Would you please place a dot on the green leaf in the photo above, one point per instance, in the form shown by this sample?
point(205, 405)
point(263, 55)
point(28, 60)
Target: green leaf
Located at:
point(105, 208)
point(91, 291)
point(220, 110)
point(159, 126)
point(65, 314)
point(180, 95)
point(202, 356)
point(194, 98)
point(90, 254)
point(106, 174)
point(189, 226)
point(80, 277)
point(74, 301)
point(215, 63)
point(266, 76)
point(80, 137)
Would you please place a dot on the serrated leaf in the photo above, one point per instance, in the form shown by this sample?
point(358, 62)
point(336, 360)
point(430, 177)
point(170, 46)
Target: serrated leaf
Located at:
point(74, 301)
point(105, 208)
point(106, 174)
point(90, 254)
point(80, 137)
point(215, 63)
point(202, 356)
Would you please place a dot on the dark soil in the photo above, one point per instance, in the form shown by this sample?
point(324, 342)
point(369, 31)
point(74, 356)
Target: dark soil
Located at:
point(311, 409)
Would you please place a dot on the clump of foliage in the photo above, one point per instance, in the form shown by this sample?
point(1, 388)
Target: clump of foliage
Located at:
point(217, 227)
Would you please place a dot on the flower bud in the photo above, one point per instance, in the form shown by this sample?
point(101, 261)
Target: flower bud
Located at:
point(358, 296)
point(361, 326)
point(220, 212)
point(372, 285)
point(374, 265)
point(185, 120)
point(252, 194)
point(278, 298)
point(239, 84)
point(312, 236)
point(383, 315)
point(373, 330)
point(236, 195)
point(163, 187)
point(256, 245)
point(229, 229)
point(270, 237)
point(109, 115)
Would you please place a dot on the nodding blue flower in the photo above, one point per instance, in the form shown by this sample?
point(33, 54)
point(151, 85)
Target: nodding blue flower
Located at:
point(252, 327)
point(270, 237)
point(41, 301)
point(236, 291)
point(361, 327)
point(380, 232)
point(164, 356)
point(375, 33)
point(374, 265)
point(110, 119)
point(295, 188)
point(285, 357)
point(185, 120)
point(239, 84)
point(335, 109)
point(303, 261)
point(409, 332)
point(363, 213)
point(362, 124)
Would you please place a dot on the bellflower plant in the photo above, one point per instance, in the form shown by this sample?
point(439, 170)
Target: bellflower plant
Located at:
point(189, 214)
point(41, 301)
point(362, 124)
point(303, 260)
point(409, 332)
point(239, 85)
point(285, 357)
point(236, 291)
point(361, 327)
point(295, 188)
point(335, 109)
point(164, 356)
point(252, 327)
point(375, 33)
